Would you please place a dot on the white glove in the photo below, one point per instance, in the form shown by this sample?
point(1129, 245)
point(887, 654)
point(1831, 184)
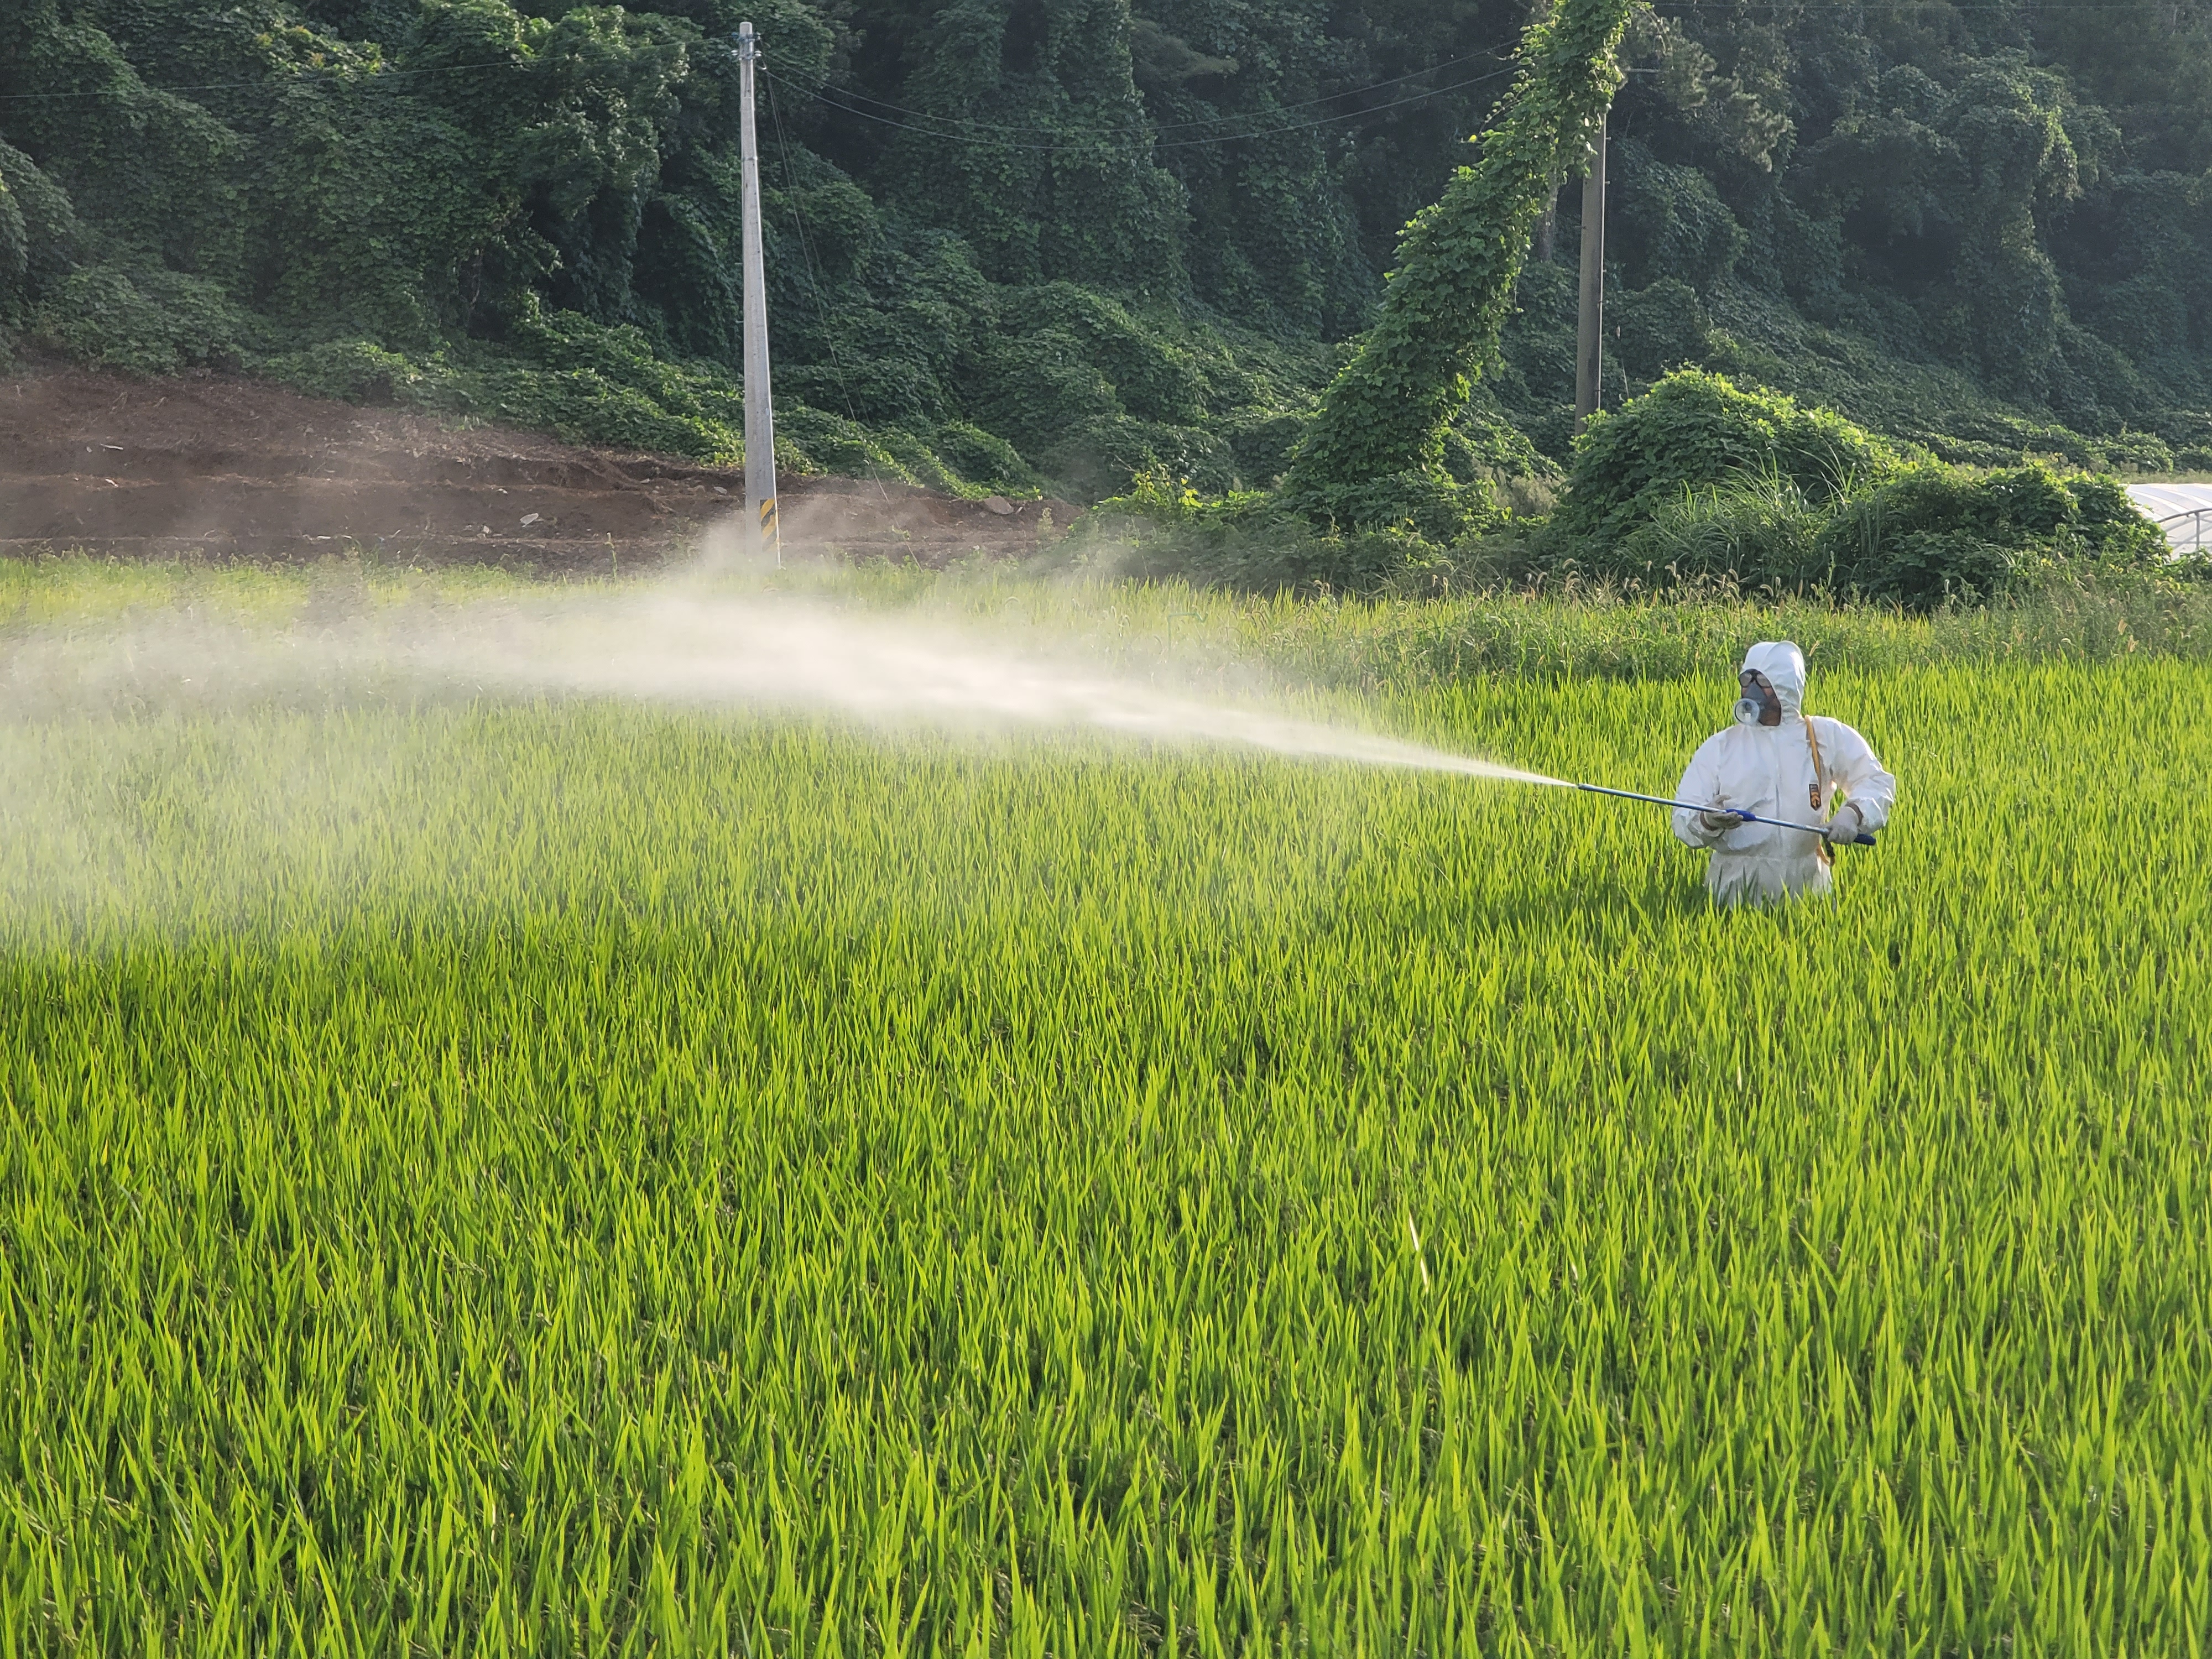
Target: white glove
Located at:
point(1717, 822)
point(1846, 827)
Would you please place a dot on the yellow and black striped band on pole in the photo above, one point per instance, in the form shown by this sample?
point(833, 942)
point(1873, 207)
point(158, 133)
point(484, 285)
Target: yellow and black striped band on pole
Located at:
point(768, 519)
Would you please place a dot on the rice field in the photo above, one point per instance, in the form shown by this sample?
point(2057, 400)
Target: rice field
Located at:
point(505, 1175)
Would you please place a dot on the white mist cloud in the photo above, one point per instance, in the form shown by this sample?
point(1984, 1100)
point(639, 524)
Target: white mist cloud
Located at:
point(680, 646)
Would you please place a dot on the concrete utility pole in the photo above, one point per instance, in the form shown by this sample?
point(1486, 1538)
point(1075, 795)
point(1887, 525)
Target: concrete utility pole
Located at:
point(762, 535)
point(1589, 321)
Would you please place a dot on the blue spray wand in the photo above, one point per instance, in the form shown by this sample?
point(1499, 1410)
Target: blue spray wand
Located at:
point(1863, 839)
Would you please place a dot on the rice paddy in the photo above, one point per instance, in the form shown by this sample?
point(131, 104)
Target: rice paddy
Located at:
point(519, 1176)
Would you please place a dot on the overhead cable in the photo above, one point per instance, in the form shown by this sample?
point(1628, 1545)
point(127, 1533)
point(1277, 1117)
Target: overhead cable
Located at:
point(365, 71)
point(1165, 126)
point(983, 140)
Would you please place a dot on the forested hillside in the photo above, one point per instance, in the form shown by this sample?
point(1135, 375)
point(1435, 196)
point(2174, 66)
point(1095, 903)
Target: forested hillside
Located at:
point(1014, 241)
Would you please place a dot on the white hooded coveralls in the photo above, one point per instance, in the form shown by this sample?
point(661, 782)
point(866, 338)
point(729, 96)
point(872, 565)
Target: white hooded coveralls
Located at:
point(1770, 770)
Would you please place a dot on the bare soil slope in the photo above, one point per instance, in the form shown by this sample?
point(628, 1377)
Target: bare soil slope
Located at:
point(223, 467)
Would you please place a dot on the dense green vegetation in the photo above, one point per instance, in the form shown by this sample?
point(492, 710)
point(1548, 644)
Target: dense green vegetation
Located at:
point(1693, 484)
point(498, 1177)
point(1696, 430)
point(1021, 240)
point(1698, 479)
point(1377, 445)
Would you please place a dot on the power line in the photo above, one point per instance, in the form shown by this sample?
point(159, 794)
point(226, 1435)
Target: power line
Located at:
point(813, 277)
point(364, 73)
point(381, 71)
point(2025, 10)
point(1180, 143)
point(1166, 126)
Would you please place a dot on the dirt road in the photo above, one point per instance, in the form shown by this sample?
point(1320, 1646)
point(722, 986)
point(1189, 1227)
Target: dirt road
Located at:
point(222, 467)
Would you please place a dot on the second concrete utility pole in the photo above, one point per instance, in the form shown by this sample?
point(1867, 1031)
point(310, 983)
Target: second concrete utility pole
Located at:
point(1590, 319)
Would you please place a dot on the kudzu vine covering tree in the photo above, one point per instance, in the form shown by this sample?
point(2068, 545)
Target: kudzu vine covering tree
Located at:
point(1377, 450)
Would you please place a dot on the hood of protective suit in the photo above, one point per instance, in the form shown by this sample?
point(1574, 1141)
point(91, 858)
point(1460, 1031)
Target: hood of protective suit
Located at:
point(1784, 664)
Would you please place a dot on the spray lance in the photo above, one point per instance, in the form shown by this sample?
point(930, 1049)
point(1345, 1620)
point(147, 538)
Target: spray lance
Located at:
point(1759, 706)
point(1864, 838)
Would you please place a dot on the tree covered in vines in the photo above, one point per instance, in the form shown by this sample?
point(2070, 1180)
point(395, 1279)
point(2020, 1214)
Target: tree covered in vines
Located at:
point(1377, 445)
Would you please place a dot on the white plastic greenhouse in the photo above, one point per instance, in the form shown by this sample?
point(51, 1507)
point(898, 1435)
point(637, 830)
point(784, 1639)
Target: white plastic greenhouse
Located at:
point(2183, 510)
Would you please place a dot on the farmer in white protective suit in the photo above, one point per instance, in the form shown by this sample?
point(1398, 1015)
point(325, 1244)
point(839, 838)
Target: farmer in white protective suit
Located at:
point(1777, 761)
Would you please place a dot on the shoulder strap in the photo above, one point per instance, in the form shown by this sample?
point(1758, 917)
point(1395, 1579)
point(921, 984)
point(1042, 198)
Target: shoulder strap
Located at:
point(1820, 782)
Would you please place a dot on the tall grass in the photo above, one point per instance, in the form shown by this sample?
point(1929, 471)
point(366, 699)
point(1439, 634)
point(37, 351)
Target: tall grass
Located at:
point(1761, 527)
point(487, 1179)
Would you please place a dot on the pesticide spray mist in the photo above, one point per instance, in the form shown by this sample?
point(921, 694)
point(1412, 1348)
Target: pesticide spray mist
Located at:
point(175, 707)
point(885, 672)
point(690, 642)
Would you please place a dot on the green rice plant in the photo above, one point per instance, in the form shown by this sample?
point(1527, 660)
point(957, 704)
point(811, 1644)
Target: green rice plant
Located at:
point(487, 1177)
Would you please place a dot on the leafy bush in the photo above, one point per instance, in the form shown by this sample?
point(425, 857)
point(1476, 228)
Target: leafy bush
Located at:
point(1928, 536)
point(1934, 534)
point(566, 375)
point(1695, 430)
point(1671, 223)
point(1262, 443)
point(1096, 457)
point(1659, 328)
point(39, 234)
point(352, 371)
point(146, 322)
point(983, 457)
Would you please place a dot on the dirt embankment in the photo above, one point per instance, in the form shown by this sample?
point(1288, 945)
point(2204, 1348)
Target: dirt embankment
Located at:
point(225, 468)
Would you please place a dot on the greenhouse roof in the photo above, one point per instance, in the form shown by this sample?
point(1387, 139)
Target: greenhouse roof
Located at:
point(2183, 510)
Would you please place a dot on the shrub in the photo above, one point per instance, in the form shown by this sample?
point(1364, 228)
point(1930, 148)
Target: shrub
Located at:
point(1695, 430)
point(1928, 536)
point(982, 457)
point(147, 322)
point(40, 237)
point(353, 371)
point(2111, 523)
point(1262, 443)
point(1101, 456)
point(1659, 329)
point(1935, 533)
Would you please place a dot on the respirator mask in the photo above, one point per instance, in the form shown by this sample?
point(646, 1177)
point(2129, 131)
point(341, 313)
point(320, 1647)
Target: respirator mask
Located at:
point(1758, 698)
